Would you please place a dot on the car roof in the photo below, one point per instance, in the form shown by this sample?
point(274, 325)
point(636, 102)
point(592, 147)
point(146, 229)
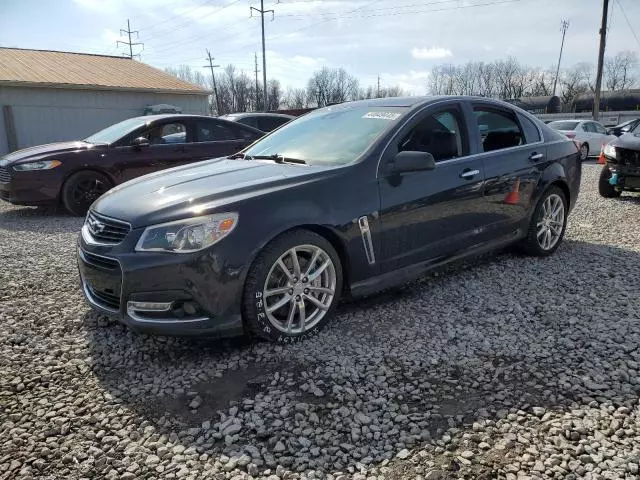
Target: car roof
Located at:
point(257, 114)
point(161, 116)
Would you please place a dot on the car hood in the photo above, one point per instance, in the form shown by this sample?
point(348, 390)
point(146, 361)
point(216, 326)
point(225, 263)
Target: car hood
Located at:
point(39, 151)
point(200, 188)
point(630, 141)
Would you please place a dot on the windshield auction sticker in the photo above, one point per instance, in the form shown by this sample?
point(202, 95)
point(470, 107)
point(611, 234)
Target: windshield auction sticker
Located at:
point(382, 115)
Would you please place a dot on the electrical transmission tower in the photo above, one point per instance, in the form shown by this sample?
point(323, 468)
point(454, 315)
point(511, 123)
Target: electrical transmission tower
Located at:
point(565, 26)
point(213, 79)
point(131, 44)
point(262, 11)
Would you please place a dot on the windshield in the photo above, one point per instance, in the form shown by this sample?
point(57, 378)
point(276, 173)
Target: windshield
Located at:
point(330, 136)
point(636, 129)
point(115, 132)
point(563, 125)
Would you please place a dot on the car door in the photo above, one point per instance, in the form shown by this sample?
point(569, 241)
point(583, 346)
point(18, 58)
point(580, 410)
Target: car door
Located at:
point(169, 141)
point(426, 215)
point(215, 138)
point(513, 158)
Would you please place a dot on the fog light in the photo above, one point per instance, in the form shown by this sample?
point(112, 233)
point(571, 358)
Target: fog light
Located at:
point(149, 306)
point(189, 308)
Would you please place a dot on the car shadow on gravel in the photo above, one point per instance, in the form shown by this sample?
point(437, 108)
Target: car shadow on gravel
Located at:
point(39, 220)
point(423, 368)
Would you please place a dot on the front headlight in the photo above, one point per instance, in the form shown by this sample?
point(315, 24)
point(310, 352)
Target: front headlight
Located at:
point(190, 235)
point(43, 165)
point(610, 151)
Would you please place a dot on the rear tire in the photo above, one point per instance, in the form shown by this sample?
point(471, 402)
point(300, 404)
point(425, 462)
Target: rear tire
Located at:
point(546, 229)
point(83, 188)
point(584, 151)
point(292, 305)
point(605, 189)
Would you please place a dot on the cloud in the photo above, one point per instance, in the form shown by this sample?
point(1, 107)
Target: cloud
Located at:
point(432, 53)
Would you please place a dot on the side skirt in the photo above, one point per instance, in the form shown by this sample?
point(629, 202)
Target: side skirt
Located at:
point(411, 272)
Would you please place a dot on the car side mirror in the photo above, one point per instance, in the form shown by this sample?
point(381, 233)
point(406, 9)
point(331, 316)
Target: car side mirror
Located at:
point(410, 161)
point(140, 142)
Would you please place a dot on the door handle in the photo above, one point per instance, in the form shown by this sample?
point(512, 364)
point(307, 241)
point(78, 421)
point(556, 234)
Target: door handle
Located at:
point(536, 156)
point(469, 173)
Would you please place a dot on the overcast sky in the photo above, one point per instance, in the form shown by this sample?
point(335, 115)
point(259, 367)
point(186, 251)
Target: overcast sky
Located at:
point(400, 40)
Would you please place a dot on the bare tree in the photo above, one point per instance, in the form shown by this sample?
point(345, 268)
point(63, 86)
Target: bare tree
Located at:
point(619, 71)
point(327, 86)
point(576, 81)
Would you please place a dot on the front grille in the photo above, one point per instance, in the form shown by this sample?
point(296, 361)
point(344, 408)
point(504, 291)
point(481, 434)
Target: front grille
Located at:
point(5, 195)
point(5, 175)
point(104, 299)
point(106, 230)
point(627, 157)
point(99, 261)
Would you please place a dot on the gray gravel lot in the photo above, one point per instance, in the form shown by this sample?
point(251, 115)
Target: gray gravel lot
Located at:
point(505, 367)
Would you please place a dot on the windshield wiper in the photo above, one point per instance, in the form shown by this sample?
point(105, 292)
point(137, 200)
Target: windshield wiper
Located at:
point(275, 157)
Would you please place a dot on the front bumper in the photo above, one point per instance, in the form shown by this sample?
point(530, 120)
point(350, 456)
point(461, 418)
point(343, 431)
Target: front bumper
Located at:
point(162, 293)
point(627, 176)
point(29, 188)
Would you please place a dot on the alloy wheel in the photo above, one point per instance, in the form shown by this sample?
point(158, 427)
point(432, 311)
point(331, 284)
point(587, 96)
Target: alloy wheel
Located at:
point(584, 151)
point(550, 222)
point(299, 289)
point(87, 191)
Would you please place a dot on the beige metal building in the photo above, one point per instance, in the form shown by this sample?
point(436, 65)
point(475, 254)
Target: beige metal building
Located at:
point(48, 96)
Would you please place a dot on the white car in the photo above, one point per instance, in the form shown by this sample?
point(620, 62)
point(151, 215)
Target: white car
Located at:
point(590, 135)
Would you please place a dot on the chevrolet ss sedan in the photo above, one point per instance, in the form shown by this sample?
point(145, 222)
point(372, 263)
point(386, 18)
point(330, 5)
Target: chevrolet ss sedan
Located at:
point(74, 174)
point(346, 200)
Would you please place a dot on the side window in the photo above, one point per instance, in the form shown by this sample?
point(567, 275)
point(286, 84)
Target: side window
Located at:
point(440, 134)
point(588, 127)
point(214, 132)
point(167, 133)
point(499, 129)
point(251, 121)
point(600, 129)
point(266, 124)
point(531, 132)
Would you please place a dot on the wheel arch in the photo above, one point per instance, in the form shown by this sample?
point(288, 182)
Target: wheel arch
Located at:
point(325, 232)
point(68, 175)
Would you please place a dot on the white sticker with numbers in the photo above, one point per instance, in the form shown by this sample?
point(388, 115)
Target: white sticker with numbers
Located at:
point(382, 115)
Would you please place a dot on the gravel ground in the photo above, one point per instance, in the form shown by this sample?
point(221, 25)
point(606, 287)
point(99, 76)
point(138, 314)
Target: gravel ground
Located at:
point(505, 367)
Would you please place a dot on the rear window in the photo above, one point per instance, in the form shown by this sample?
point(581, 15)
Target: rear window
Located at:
point(563, 125)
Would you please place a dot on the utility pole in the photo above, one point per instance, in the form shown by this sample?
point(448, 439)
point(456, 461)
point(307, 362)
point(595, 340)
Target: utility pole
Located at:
point(255, 56)
point(603, 42)
point(128, 31)
point(262, 11)
point(213, 79)
point(565, 26)
point(378, 96)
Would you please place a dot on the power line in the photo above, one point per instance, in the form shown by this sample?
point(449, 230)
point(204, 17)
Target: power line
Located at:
point(152, 27)
point(628, 22)
point(128, 31)
point(262, 11)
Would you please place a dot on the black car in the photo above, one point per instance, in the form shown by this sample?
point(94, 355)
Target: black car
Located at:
point(346, 200)
point(74, 174)
point(622, 165)
point(265, 122)
point(624, 127)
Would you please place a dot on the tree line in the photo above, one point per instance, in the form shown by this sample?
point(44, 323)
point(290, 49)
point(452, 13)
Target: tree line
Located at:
point(508, 79)
point(238, 92)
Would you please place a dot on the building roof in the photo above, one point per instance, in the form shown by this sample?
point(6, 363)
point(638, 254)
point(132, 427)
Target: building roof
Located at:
point(47, 68)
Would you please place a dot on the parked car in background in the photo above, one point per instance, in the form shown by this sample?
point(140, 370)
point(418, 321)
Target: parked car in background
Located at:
point(622, 165)
point(262, 121)
point(75, 174)
point(624, 127)
point(591, 135)
point(347, 199)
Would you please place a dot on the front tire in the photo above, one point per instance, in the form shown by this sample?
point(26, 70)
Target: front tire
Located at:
point(605, 189)
point(292, 288)
point(83, 188)
point(548, 224)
